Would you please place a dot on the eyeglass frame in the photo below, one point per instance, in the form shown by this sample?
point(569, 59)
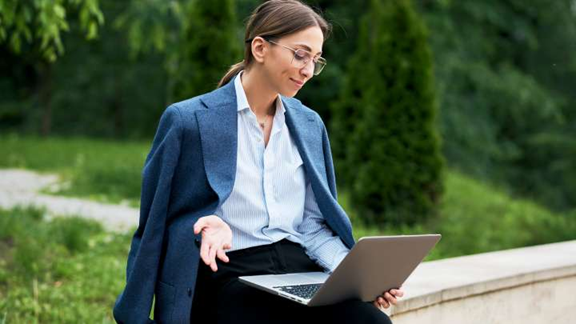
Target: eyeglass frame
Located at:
point(322, 60)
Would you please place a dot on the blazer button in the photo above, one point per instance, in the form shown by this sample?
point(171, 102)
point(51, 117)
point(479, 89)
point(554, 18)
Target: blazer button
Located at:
point(189, 292)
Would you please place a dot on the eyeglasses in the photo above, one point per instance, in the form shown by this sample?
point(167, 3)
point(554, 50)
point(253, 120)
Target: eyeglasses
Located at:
point(302, 57)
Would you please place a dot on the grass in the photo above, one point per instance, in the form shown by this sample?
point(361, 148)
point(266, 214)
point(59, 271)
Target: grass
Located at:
point(107, 171)
point(65, 270)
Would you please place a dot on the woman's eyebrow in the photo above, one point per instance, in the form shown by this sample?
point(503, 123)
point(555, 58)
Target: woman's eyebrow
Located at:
point(306, 47)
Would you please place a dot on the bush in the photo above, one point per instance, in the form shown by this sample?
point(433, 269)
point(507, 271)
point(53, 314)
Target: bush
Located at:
point(475, 217)
point(387, 149)
point(211, 45)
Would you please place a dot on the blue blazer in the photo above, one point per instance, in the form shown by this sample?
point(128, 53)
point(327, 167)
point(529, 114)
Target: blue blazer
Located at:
point(189, 171)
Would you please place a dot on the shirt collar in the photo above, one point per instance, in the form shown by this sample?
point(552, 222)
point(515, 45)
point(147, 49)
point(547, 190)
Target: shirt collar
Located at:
point(242, 100)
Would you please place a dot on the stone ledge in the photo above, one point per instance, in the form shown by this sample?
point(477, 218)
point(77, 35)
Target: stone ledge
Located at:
point(450, 279)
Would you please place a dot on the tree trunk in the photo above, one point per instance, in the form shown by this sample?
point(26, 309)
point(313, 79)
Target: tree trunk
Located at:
point(44, 98)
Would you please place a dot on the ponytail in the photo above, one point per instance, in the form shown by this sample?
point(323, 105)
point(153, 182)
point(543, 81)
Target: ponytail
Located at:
point(234, 69)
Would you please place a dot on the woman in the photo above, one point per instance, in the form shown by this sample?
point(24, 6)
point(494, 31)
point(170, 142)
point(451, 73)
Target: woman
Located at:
point(245, 169)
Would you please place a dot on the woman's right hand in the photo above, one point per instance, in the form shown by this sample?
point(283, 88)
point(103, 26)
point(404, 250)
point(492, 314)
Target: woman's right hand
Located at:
point(216, 237)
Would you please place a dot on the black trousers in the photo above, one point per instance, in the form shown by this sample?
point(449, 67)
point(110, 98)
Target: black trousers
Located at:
point(221, 298)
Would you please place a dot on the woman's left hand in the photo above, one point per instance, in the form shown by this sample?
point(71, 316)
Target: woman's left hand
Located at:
point(388, 298)
point(216, 237)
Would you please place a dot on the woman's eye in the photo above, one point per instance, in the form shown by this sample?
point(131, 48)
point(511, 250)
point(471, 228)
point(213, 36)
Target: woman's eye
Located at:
point(300, 56)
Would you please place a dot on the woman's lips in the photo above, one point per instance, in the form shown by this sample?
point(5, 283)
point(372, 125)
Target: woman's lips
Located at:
point(298, 83)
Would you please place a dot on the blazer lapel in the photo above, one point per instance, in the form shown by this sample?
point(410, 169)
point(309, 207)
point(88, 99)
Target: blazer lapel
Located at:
point(305, 132)
point(307, 135)
point(218, 126)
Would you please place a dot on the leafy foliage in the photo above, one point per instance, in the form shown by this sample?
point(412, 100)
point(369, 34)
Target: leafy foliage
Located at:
point(390, 158)
point(198, 40)
point(210, 46)
point(505, 94)
point(40, 23)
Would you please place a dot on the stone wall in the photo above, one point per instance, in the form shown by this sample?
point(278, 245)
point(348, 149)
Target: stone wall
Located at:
point(527, 285)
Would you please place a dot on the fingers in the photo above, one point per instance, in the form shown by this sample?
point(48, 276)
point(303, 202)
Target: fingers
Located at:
point(377, 305)
point(212, 258)
point(397, 292)
point(390, 299)
point(203, 222)
point(209, 252)
point(204, 249)
point(205, 252)
point(222, 255)
point(382, 302)
point(199, 225)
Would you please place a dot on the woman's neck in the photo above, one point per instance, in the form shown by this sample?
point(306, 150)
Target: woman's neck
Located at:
point(261, 97)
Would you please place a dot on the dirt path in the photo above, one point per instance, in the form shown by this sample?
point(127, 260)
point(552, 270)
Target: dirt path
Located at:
point(21, 187)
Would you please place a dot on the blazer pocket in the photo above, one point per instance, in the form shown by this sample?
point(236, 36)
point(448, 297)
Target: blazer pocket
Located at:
point(164, 304)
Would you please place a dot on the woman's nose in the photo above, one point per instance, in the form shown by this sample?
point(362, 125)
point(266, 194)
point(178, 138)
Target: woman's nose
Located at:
point(308, 69)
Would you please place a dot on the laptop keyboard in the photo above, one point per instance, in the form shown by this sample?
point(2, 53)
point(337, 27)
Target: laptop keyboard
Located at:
point(303, 291)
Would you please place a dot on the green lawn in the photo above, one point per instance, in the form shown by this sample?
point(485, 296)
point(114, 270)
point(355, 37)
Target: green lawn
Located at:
point(95, 169)
point(68, 270)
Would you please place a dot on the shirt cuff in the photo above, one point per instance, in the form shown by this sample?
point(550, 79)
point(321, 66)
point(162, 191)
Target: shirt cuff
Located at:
point(337, 260)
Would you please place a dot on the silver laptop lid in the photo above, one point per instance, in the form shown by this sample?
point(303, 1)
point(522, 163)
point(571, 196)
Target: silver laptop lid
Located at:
point(375, 264)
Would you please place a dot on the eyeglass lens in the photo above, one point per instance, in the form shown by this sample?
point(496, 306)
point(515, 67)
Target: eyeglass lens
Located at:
point(302, 58)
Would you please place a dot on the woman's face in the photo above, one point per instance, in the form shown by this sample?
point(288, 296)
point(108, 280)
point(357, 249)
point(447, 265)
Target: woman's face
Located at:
point(284, 75)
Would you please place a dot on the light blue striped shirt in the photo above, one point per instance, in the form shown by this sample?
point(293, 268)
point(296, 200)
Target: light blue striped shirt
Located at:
point(272, 198)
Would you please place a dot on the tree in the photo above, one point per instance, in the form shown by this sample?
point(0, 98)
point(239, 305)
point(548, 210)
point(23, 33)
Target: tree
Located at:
point(36, 26)
point(198, 39)
point(391, 161)
point(505, 74)
point(209, 46)
point(343, 15)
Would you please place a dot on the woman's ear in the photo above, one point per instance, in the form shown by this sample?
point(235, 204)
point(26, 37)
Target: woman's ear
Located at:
point(259, 49)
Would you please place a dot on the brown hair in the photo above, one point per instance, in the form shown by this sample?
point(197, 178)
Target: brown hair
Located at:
point(275, 19)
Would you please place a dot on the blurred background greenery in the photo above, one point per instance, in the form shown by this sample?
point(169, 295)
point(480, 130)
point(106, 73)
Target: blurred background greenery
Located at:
point(455, 117)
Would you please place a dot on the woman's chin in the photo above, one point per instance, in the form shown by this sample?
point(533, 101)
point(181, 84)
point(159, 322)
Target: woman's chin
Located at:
point(290, 93)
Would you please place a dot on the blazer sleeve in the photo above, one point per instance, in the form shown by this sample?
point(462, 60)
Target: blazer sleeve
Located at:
point(134, 303)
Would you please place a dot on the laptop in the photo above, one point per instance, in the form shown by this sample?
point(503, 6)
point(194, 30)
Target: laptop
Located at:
point(374, 265)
